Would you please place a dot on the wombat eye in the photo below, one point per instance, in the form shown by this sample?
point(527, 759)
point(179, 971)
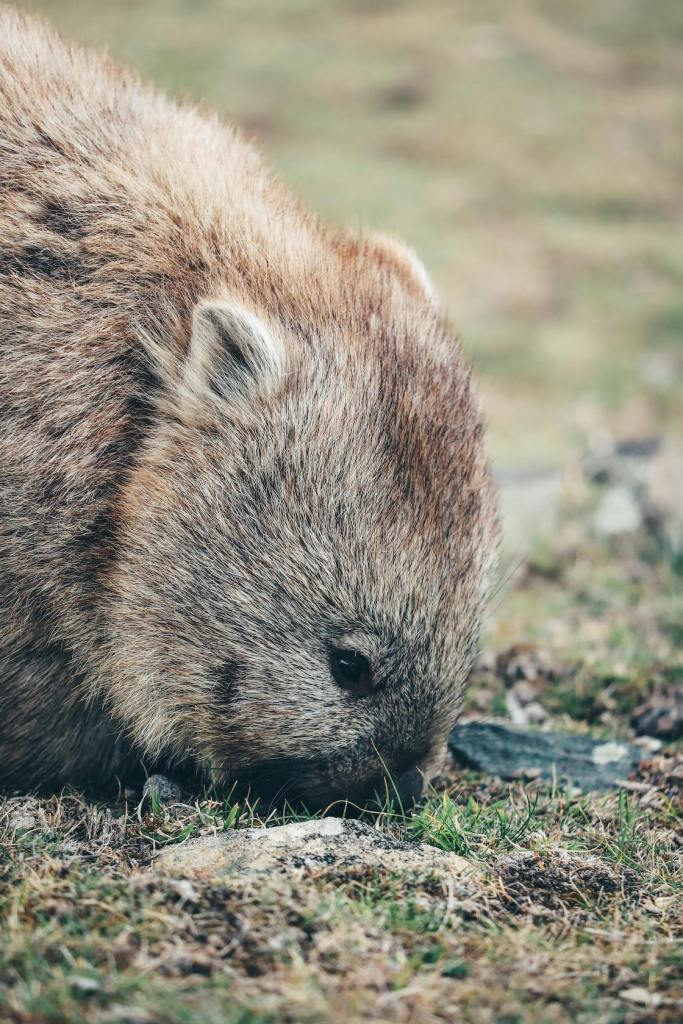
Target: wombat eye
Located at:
point(351, 671)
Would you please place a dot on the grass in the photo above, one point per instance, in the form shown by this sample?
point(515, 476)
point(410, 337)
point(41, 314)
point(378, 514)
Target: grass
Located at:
point(576, 914)
point(576, 908)
point(88, 935)
point(531, 152)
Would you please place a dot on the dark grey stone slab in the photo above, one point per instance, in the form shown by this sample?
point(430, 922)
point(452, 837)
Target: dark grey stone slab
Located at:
point(513, 753)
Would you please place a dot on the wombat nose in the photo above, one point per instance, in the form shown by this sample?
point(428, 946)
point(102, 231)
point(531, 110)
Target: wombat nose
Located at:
point(409, 787)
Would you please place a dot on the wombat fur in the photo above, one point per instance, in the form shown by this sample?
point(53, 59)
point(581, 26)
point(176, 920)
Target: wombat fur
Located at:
point(246, 522)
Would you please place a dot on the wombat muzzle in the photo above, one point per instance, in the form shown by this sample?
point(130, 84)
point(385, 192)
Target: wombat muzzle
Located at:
point(409, 787)
point(316, 785)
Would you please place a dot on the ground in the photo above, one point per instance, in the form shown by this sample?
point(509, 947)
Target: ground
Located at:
point(531, 151)
point(575, 913)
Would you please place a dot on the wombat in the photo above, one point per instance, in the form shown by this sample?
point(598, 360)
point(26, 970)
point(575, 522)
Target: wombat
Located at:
point(246, 522)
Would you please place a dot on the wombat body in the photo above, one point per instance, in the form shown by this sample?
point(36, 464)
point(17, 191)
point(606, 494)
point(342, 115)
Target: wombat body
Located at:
point(245, 518)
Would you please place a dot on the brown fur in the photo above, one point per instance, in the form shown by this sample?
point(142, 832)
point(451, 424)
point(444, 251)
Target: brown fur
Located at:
point(229, 438)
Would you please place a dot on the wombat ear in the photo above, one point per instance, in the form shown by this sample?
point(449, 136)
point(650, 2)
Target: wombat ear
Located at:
point(232, 351)
point(403, 261)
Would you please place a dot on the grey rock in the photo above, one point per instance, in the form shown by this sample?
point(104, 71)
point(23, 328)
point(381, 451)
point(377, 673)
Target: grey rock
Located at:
point(159, 790)
point(515, 709)
point(513, 753)
point(331, 848)
point(644, 488)
point(535, 713)
point(648, 744)
point(21, 814)
point(618, 513)
point(88, 986)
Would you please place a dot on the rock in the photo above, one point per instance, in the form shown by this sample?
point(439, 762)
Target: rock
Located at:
point(512, 753)
point(648, 744)
point(524, 712)
point(641, 996)
point(535, 713)
point(330, 848)
point(523, 705)
point(21, 815)
point(159, 790)
point(515, 709)
point(644, 481)
point(88, 986)
point(617, 513)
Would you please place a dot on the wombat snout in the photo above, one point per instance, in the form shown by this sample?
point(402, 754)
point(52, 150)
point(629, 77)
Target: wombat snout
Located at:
point(409, 787)
point(321, 785)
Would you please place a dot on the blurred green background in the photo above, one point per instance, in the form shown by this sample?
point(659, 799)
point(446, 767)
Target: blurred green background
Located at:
point(530, 150)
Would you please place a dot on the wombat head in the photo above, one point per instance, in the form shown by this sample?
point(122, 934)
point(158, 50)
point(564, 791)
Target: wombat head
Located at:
point(305, 546)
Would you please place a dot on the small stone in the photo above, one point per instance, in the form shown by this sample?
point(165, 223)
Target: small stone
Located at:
point(618, 513)
point(640, 996)
point(535, 713)
point(609, 753)
point(183, 889)
point(515, 709)
point(159, 790)
point(521, 710)
point(86, 985)
point(648, 744)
